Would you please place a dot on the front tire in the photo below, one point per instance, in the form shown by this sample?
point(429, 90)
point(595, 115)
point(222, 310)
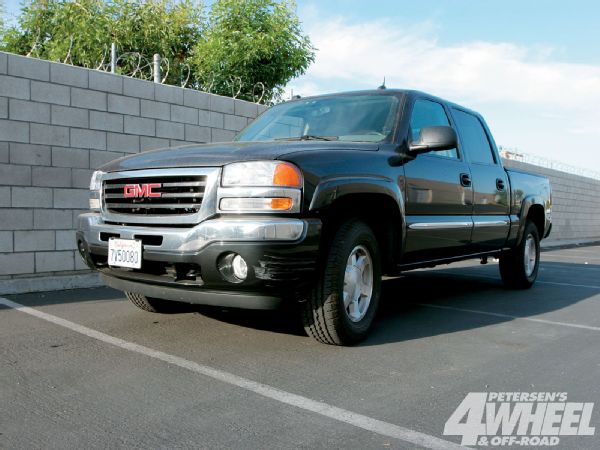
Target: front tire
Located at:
point(154, 305)
point(519, 266)
point(341, 307)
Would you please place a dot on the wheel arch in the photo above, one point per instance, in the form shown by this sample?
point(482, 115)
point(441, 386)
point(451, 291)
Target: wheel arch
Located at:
point(532, 209)
point(377, 202)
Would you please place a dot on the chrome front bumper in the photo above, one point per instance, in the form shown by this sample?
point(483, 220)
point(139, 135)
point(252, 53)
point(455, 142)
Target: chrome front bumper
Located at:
point(183, 264)
point(193, 239)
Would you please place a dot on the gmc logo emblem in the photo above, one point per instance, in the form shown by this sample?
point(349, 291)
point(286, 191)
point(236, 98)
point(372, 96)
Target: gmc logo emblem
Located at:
point(141, 190)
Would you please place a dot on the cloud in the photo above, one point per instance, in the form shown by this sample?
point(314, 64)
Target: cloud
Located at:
point(473, 71)
point(483, 75)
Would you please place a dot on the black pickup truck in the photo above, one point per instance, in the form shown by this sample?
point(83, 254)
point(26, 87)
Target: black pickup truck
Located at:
point(311, 204)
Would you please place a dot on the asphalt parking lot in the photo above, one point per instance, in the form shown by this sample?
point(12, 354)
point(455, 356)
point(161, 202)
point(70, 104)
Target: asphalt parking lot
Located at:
point(94, 371)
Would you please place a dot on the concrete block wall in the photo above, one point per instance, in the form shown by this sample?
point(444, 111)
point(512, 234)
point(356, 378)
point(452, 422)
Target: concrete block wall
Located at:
point(58, 123)
point(576, 203)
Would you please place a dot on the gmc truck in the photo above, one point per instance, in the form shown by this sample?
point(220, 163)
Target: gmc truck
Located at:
point(311, 204)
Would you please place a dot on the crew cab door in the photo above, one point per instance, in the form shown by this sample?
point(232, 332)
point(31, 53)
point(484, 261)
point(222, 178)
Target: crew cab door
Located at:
point(491, 187)
point(439, 196)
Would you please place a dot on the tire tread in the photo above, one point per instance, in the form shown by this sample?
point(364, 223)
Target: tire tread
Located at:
point(321, 313)
point(512, 268)
point(154, 305)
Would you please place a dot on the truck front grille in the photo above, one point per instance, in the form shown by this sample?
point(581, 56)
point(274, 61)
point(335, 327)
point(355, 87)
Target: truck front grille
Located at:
point(160, 195)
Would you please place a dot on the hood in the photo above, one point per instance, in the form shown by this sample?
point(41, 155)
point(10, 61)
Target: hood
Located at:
point(216, 155)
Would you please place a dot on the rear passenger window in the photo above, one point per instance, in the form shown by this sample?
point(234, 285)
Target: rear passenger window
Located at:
point(426, 113)
point(474, 139)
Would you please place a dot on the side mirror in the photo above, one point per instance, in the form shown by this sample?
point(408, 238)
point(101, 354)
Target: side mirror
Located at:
point(434, 139)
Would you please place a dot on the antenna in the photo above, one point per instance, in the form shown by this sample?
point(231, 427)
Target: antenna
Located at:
point(382, 87)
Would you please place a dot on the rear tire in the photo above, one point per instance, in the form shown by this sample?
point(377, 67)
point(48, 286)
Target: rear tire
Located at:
point(519, 266)
point(155, 305)
point(341, 307)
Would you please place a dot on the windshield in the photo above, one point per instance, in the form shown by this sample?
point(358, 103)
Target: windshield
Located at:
point(357, 118)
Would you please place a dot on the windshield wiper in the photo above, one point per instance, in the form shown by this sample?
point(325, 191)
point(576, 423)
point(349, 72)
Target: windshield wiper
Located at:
point(309, 137)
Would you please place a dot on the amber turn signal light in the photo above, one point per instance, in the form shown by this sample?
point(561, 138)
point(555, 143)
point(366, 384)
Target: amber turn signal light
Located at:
point(287, 175)
point(281, 204)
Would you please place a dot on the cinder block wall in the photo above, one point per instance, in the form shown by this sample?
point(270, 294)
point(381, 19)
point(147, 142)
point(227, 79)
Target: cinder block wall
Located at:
point(576, 203)
point(58, 123)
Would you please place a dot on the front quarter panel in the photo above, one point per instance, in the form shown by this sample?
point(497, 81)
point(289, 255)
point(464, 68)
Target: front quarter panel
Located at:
point(333, 174)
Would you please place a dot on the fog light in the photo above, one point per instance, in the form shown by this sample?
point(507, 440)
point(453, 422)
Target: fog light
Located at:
point(81, 248)
point(233, 267)
point(240, 268)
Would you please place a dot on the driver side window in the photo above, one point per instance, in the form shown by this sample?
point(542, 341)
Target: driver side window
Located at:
point(426, 113)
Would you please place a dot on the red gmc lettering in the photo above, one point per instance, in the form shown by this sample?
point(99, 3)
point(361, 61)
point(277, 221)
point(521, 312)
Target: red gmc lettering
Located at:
point(141, 190)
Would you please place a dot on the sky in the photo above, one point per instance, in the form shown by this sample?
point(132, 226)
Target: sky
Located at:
point(532, 68)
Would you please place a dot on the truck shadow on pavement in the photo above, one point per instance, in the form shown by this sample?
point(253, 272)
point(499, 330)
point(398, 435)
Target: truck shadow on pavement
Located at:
point(34, 299)
point(412, 306)
point(403, 314)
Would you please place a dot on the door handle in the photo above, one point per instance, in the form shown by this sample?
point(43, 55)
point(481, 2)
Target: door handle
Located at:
point(465, 179)
point(500, 184)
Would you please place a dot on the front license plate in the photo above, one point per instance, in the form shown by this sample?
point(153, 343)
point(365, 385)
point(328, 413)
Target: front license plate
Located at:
point(125, 253)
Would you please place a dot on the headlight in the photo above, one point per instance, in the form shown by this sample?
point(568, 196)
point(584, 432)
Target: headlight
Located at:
point(96, 181)
point(260, 187)
point(262, 173)
point(95, 190)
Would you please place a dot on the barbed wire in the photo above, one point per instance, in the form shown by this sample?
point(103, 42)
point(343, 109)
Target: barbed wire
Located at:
point(138, 65)
point(513, 154)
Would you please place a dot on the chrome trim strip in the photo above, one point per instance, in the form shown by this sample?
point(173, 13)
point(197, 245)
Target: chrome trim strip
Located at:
point(439, 225)
point(188, 240)
point(207, 208)
point(178, 184)
point(153, 206)
point(164, 195)
point(491, 223)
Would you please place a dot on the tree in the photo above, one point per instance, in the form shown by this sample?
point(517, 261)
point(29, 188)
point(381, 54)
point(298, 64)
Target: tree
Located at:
point(50, 29)
point(249, 45)
point(81, 32)
point(1, 19)
point(258, 43)
point(164, 27)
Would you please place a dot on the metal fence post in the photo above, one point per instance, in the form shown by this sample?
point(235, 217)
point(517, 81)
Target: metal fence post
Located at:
point(156, 68)
point(113, 57)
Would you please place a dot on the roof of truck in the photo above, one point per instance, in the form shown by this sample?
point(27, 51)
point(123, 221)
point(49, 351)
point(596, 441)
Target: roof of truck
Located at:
point(390, 91)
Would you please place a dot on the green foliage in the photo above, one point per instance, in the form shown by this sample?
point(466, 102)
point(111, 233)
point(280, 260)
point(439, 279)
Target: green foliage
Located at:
point(164, 27)
point(1, 19)
point(47, 28)
point(81, 32)
point(248, 42)
point(252, 41)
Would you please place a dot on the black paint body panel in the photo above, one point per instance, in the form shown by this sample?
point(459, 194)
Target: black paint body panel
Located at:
point(441, 220)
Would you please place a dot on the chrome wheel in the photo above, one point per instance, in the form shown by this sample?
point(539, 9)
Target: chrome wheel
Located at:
point(358, 283)
point(530, 255)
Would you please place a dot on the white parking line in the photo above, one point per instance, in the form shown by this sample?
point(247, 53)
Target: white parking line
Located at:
point(574, 251)
point(508, 316)
point(324, 409)
point(565, 266)
point(581, 258)
point(556, 283)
